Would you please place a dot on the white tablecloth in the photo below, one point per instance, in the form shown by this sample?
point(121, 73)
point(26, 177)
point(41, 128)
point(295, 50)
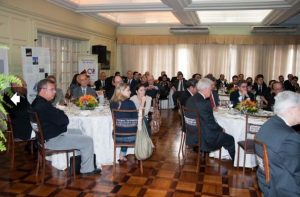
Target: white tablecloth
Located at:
point(96, 124)
point(235, 124)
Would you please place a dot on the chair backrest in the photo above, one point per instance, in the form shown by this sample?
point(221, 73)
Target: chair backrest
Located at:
point(37, 128)
point(181, 114)
point(192, 122)
point(262, 158)
point(129, 122)
point(9, 125)
point(156, 118)
point(251, 130)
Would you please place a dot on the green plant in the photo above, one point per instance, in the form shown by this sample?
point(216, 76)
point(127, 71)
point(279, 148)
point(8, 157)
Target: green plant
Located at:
point(5, 81)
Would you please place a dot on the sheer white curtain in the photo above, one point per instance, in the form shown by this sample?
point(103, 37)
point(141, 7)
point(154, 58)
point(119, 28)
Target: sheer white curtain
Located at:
point(63, 57)
point(270, 60)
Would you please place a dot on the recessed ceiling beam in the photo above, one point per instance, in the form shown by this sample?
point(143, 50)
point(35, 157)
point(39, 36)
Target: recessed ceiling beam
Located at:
point(237, 5)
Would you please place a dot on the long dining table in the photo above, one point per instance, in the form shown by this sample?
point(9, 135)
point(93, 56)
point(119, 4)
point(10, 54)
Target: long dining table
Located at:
point(234, 123)
point(98, 125)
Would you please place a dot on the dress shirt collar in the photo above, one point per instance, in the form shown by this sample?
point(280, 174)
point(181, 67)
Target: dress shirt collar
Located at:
point(189, 92)
point(202, 95)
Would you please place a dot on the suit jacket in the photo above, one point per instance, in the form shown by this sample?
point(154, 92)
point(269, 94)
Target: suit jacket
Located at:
point(19, 117)
point(263, 92)
point(219, 82)
point(98, 85)
point(212, 132)
point(77, 92)
point(288, 86)
point(184, 97)
point(176, 83)
point(53, 121)
point(132, 86)
point(283, 145)
point(234, 97)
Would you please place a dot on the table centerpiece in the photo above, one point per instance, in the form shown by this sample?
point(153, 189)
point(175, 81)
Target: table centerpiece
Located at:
point(87, 102)
point(247, 106)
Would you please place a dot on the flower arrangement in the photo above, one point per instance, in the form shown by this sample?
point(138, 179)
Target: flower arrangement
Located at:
point(87, 102)
point(247, 106)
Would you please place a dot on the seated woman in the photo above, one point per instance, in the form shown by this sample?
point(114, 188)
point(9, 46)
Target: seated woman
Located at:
point(138, 99)
point(120, 100)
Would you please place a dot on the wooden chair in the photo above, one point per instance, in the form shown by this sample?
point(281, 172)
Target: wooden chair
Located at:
point(116, 132)
point(43, 152)
point(248, 144)
point(12, 141)
point(263, 159)
point(155, 121)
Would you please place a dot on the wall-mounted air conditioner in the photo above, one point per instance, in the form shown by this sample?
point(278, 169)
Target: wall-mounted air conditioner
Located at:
point(273, 29)
point(189, 30)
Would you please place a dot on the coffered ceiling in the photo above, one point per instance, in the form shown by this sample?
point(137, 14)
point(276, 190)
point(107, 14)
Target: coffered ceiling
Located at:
point(188, 12)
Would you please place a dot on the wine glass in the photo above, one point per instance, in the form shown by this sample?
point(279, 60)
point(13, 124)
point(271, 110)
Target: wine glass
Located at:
point(230, 105)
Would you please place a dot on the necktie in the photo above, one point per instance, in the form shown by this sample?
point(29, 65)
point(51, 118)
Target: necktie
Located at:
point(84, 91)
point(212, 101)
point(103, 83)
point(181, 86)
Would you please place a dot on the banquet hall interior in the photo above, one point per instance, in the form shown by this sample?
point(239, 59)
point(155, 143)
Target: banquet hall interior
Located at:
point(193, 39)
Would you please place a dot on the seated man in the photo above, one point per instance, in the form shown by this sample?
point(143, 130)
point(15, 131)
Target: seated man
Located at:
point(283, 147)
point(241, 94)
point(151, 89)
point(190, 91)
point(59, 96)
point(54, 123)
point(213, 135)
point(84, 89)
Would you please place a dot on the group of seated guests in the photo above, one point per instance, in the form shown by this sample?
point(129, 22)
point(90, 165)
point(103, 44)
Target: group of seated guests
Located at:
point(136, 92)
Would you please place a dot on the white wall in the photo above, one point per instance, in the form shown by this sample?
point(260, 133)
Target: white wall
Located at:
point(21, 20)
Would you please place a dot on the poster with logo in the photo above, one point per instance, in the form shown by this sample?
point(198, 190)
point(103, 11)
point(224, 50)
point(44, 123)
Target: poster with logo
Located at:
point(89, 64)
point(36, 66)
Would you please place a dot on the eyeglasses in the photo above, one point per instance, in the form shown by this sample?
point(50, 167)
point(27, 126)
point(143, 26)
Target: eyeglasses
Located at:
point(52, 89)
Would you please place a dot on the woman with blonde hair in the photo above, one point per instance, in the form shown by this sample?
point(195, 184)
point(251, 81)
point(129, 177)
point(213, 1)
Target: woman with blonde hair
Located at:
point(120, 100)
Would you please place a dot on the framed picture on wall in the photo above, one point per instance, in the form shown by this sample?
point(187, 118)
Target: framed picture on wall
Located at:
point(106, 65)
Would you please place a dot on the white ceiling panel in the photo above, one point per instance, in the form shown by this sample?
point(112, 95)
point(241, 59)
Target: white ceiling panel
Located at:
point(105, 2)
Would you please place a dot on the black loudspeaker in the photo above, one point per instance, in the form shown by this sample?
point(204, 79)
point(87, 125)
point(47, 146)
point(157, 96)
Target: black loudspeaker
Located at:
point(101, 52)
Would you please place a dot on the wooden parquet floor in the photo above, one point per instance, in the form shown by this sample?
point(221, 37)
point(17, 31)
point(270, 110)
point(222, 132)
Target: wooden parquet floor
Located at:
point(162, 175)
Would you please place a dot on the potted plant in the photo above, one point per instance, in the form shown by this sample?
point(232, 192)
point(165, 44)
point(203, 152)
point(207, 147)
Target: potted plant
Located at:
point(5, 81)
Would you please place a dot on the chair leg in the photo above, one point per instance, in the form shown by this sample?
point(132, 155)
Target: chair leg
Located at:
point(31, 147)
point(198, 159)
point(12, 149)
point(68, 165)
point(220, 154)
point(180, 146)
point(114, 167)
point(244, 163)
point(238, 158)
point(37, 165)
point(141, 166)
point(73, 160)
point(43, 169)
point(184, 145)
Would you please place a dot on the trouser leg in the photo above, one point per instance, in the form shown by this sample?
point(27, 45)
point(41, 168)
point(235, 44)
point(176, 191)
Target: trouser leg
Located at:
point(227, 142)
point(83, 143)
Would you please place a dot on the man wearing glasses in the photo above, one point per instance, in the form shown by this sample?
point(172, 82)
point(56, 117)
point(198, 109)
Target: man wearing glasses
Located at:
point(54, 123)
point(241, 94)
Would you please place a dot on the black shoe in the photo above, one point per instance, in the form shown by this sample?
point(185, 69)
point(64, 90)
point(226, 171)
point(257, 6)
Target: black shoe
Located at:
point(96, 171)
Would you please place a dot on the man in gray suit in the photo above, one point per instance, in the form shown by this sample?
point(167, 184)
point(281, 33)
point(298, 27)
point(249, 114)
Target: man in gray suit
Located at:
point(213, 135)
point(84, 89)
point(283, 146)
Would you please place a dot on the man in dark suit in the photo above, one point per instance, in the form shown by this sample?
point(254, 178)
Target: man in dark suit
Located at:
point(132, 83)
point(116, 81)
point(213, 135)
point(277, 87)
point(221, 82)
point(190, 91)
point(179, 86)
point(19, 113)
point(84, 89)
point(162, 74)
point(283, 147)
point(101, 83)
point(241, 94)
point(260, 86)
point(288, 85)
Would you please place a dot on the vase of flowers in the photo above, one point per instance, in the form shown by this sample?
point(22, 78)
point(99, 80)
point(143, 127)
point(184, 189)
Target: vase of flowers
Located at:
point(247, 106)
point(87, 102)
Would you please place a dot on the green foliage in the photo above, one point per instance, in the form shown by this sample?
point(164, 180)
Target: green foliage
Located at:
point(5, 81)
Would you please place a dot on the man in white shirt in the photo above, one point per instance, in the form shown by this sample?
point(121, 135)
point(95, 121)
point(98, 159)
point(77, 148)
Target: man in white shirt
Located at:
point(84, 89)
